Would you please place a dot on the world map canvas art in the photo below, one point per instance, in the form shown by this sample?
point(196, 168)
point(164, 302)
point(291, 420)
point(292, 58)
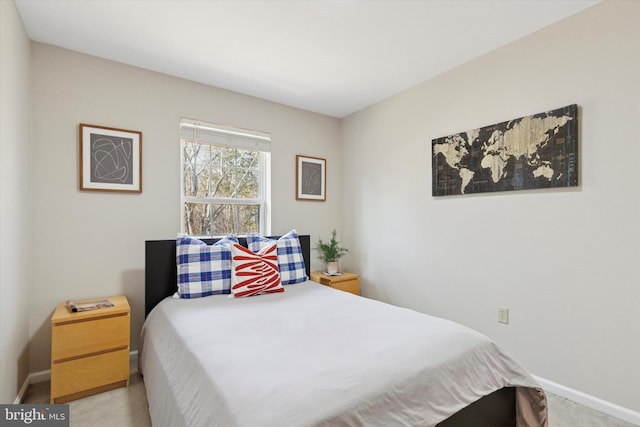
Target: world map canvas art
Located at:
point(537, 151)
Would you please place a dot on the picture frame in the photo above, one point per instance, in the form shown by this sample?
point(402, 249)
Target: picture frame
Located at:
point(110, 159)
point(311, 178)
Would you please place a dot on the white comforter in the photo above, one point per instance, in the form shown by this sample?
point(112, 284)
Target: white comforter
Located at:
point(315, 356)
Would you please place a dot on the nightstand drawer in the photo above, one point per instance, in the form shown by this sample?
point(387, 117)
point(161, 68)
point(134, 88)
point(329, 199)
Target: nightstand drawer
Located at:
point(352, 286)
point(347, 282)
point(81, 375)
point(70, 340)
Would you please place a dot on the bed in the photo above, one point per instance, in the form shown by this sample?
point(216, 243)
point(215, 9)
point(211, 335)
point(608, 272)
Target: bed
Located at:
point(316, 356)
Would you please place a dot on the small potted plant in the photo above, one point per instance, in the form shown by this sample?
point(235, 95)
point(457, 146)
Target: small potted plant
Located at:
point(331, 253)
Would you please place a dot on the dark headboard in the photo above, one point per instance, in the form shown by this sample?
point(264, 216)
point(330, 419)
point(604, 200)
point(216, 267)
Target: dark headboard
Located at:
point(160, 276)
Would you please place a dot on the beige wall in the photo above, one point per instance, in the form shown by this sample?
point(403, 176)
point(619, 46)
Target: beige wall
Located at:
point(15, 202)
point(564, 262)
point(90, 244)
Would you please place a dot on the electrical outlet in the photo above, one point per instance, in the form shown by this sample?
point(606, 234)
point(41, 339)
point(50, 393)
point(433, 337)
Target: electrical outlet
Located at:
point(503, 315)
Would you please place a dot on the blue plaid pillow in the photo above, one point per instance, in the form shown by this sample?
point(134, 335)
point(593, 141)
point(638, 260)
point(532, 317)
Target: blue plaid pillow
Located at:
point(203, 269)
point(290, 259)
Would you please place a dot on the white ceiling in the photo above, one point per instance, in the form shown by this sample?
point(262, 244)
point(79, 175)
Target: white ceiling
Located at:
point(333, 57)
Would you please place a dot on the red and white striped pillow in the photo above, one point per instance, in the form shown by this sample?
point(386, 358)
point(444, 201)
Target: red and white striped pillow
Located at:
point(254, 273)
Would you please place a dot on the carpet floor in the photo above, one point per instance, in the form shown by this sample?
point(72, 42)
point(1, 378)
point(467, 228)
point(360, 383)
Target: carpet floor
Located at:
point(127, 407)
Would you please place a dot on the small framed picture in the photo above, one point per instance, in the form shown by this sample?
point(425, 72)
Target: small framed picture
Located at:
point(311, 178)
point(110, 159)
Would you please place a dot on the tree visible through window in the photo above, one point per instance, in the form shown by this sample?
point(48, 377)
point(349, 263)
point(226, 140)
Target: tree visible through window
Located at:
point(224, 181)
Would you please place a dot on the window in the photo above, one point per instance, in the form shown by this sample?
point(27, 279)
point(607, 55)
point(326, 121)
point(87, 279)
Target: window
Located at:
point(225, 180)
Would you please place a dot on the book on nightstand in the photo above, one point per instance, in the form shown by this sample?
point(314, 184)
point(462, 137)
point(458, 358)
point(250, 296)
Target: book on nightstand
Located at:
point(75, 307)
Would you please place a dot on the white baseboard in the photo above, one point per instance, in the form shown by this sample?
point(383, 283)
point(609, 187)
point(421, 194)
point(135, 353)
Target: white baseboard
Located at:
point(33, 378)
point(42, 376)
point(589, 401)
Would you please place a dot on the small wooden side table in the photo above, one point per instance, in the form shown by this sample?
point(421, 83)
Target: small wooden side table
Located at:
point(89, 350)
point(348, 282)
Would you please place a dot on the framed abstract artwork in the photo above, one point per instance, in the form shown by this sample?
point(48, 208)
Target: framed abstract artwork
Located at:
point(311, 178)
point(110, 159)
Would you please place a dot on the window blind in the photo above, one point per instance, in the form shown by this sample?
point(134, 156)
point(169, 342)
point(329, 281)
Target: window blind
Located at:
point(228, 136)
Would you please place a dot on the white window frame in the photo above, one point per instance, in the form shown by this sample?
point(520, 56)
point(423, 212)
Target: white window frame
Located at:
point(227, 136)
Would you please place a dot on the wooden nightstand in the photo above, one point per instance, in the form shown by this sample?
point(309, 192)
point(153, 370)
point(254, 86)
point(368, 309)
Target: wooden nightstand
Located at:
point(89, 350)
point(347, 282)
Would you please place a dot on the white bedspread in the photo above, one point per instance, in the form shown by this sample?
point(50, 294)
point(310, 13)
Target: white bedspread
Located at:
point(315, 356)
